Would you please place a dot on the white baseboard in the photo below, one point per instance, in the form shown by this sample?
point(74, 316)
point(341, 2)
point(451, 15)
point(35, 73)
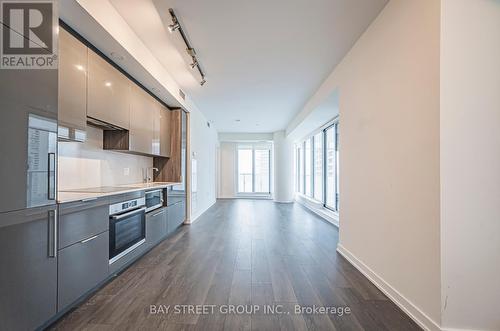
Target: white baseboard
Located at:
point(406, 305)
point(318, 210)
point(247, 197)
point(195, 217)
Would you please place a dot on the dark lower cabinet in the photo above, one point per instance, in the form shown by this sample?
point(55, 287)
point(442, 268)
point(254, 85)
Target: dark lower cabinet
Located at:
point(28, 263)
point(39, 279)
point(176, 215)
point(156, 226)
point(82, 266)
point(81, 220)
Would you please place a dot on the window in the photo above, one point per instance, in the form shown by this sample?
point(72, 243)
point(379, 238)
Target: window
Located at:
point(262, 161)
point(254, 170)
point(318, 166)
point(337, 173)
point(330, 175)
point(331, 168)
point(307, 167)
point(245, 171)
point(301, 169)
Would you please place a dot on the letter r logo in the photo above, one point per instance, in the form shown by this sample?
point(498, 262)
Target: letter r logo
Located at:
point(29, 27)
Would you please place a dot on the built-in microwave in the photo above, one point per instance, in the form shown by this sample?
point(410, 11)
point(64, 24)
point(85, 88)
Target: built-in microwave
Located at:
point(154, 200)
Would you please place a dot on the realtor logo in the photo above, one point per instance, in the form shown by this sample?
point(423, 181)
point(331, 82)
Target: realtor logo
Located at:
point(28, 38)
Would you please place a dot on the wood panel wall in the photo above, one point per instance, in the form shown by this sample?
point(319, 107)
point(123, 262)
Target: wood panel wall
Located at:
point(169, 169)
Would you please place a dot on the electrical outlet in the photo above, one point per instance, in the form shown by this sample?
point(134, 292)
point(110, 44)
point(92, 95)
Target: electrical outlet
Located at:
point(126, 171)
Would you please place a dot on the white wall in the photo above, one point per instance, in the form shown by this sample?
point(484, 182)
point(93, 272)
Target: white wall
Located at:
point(470, 164)
point(84, 165)
point(389, 145)
point(204, 144)
point(283, 165)
point(227, 185)
point(243, 136)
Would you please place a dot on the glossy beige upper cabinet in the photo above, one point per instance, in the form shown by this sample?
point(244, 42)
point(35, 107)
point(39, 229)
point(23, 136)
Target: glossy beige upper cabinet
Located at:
point(161, 130)
point(142, 117)
point(108, 93)
point(157, 109)
point(72, 92)
point(164, 131)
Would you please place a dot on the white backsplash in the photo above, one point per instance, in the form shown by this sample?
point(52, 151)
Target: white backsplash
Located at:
point(84, 165)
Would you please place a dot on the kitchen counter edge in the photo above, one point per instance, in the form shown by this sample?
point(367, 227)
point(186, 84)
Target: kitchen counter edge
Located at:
point(67, 197)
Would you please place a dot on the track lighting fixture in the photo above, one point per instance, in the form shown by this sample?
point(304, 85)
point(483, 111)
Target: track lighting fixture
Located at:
point(175, 26)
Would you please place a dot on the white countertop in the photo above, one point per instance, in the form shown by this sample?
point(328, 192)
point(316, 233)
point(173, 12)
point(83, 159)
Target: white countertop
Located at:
point(72, 195)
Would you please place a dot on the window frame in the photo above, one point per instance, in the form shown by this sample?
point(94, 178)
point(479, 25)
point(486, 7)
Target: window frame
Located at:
point(300, 147)
point(334, 208)
point(313, 162)
point(237, 182)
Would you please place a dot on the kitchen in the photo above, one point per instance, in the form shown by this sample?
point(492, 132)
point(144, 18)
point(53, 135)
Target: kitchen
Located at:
point(105, 180)
point(249, 165)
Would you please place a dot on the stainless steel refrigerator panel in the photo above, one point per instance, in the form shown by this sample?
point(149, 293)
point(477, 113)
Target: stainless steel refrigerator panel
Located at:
point(42, 169)
point(25, 94)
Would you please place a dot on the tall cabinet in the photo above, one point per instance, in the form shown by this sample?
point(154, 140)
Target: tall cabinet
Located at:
point(28, 223)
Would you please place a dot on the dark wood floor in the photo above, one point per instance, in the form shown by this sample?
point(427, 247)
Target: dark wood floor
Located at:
point(242, 252)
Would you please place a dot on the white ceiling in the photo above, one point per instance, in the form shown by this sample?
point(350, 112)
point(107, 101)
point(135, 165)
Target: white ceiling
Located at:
point(263, 59)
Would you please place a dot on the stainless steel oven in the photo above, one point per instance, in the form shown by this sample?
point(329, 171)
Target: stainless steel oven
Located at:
point(154, 200)
point(127, 227)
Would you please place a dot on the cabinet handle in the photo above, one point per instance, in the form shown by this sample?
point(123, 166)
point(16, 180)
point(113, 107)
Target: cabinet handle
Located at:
point(51, 176)
point(53, 233)
point(88, 199)
point(161, 212)
point(133, 212)
point(89, 239)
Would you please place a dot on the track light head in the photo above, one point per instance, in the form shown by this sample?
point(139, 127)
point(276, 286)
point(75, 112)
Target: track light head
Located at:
point(173, 27)
point(203, 81)
point(194, 64)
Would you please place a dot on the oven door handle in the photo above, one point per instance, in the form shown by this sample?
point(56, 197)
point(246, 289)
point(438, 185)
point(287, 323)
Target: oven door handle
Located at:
point(136, 211)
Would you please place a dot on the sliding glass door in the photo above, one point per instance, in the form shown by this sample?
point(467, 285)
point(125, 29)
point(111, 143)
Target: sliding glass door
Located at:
point(254, 170)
